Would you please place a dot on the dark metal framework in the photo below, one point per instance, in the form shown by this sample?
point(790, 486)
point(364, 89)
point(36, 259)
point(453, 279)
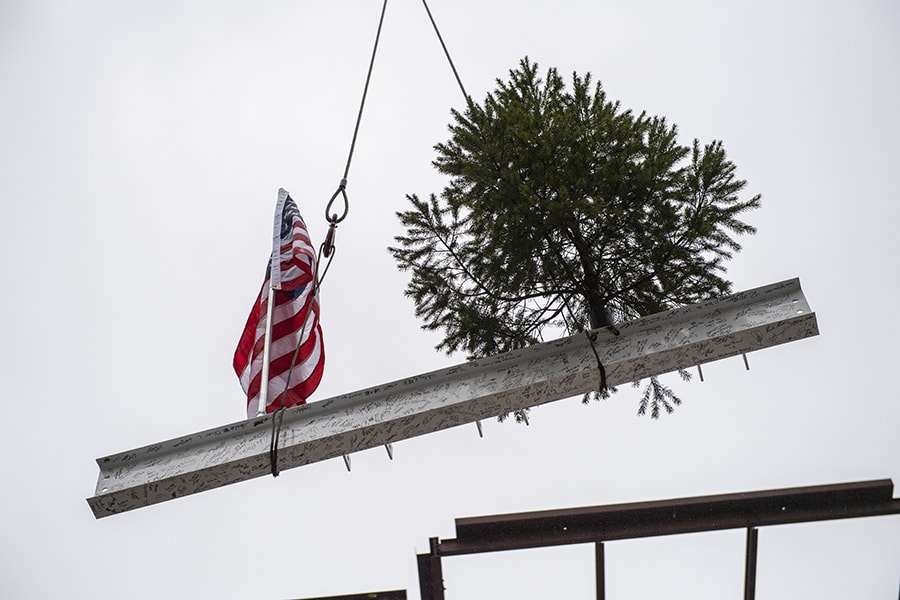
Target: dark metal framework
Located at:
point(392, 595)
point(599, 524)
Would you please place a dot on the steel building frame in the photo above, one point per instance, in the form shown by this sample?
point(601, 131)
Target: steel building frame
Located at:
point(600, 524)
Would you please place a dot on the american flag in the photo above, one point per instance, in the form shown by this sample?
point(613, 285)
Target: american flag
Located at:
point(295, 320)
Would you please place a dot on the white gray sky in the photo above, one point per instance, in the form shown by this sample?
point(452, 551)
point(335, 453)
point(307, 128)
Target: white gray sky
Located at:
point(142, 145)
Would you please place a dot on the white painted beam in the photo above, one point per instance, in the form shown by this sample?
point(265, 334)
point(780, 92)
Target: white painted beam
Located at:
point(479, 389)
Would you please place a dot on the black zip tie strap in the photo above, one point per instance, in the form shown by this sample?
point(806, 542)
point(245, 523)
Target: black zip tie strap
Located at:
point(592, 337)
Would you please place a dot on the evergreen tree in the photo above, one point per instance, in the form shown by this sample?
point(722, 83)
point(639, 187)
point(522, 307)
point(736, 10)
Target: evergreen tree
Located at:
point(565, 212)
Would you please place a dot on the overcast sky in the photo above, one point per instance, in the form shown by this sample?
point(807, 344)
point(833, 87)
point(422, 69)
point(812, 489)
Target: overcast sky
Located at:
point(142, 145)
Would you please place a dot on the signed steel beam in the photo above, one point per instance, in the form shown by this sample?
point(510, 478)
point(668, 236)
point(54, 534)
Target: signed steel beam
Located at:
point(478, 389)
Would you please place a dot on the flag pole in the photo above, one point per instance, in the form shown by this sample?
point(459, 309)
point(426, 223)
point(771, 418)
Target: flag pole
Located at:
point(274, 284)
point(267, 346)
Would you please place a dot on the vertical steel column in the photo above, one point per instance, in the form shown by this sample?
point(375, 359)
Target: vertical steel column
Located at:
point(750, 567)
point(431, 576)
point(600, 571)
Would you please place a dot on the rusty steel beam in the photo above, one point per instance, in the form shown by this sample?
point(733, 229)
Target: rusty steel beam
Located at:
point(431, 574)
point(600, 570)
point(479, 389)
point(750, 564)
point(391, 595)
point(669, 517)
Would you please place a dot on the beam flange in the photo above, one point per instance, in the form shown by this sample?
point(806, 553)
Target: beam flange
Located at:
point(478, 389)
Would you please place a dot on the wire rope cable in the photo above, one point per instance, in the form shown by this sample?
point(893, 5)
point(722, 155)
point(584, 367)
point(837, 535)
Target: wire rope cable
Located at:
point(278, 415)
point(327, 247)
point(341, 190)
point(447, 53)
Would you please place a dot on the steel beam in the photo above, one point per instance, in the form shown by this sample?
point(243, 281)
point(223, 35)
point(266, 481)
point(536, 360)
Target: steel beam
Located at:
point(613, 522)
point(479, 389)
point(600, 570)
point(391, 595)
point(431, 574)
point(750, 564)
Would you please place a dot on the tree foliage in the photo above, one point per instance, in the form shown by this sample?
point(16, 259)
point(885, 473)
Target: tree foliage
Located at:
point(562, 207)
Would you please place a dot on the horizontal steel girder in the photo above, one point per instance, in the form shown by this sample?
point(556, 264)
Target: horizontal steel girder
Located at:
point(613, 522)
point(392, 595)
point(478, 389)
